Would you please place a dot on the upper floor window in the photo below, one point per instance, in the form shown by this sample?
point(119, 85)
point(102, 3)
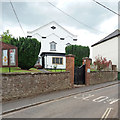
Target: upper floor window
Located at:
point(53, 46)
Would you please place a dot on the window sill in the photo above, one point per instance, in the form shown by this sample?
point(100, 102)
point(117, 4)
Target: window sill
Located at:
point(52, 50)
point(56, 64)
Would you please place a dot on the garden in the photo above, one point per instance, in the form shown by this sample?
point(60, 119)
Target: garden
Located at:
point(101, 64)
point(16, 69)
point(28, 50)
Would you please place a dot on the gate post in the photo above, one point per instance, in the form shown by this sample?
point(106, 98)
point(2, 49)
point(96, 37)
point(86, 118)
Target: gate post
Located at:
point(70, 67)
point(87, 62)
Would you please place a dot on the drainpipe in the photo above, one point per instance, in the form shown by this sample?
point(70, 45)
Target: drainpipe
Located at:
point(46, 61)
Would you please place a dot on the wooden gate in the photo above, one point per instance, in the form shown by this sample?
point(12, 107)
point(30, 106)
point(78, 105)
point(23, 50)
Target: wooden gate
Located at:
point(79, 75)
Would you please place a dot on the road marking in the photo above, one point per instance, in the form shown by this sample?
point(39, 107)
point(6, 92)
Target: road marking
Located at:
point(114, 101)
point(75, 96)
point(100, 99)
point(84, 96)
point(106, 113)
point(103, 99)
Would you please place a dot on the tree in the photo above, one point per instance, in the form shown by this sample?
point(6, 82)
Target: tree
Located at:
point(6, 37)
point(79, 52)
point(28, 50)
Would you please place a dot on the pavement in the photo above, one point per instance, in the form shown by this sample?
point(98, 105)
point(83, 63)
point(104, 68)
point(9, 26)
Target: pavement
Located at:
point(16, 105)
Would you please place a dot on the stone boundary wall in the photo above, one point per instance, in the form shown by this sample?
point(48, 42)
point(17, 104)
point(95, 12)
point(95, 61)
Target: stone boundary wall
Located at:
point(21, 85)
point(102, 76)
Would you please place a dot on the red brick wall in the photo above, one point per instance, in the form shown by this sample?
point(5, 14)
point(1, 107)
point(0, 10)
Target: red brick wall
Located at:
point(0, 54)
point(87, 61)
point(70, 67)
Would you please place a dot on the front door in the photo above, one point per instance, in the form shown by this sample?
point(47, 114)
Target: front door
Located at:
point(43, 62)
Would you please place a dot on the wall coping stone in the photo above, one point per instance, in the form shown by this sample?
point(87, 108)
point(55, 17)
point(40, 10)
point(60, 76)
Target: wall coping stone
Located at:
point(32, 73)
point(70, 55)
point(101, 71)
point(86, 58)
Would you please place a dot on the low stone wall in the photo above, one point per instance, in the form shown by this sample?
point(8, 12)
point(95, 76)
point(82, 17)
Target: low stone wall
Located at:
point(20, 85)
point(102, 76)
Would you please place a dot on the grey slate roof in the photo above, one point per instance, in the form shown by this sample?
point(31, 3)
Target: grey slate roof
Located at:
point(110, 36)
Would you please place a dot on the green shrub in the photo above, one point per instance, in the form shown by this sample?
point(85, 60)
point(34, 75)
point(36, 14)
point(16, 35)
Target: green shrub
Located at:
point(28, 50)
point(79, 52)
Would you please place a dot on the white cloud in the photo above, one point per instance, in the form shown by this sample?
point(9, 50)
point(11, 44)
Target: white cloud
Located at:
point(109, 25)
point(85, 37)
point(15, 30)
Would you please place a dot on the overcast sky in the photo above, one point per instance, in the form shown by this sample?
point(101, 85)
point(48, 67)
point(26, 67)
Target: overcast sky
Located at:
point(32, 15)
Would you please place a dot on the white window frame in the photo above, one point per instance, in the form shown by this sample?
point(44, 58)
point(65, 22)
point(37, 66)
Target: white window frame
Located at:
point(53, 46)
point(59, 62)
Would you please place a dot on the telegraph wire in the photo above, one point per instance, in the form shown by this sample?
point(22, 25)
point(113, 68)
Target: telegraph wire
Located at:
point(17, 17)
point(106, 7)
point(75, 18)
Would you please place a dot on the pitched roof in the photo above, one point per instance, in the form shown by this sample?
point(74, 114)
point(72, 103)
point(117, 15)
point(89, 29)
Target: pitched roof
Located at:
point(6, 45)
point(110, 36)
point(53, 22)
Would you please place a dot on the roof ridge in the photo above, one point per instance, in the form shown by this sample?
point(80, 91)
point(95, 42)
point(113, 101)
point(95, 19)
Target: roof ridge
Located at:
point(51, 23)
point(111, 35)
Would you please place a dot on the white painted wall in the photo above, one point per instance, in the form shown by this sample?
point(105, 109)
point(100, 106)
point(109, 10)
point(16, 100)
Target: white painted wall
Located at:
point(108, 49)
point(53, 35)
point(46, 30)
point(119, 53)
point(49, 64)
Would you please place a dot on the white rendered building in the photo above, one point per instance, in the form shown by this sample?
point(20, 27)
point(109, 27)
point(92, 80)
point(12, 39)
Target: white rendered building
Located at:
point(109, 47)
point(54, 38)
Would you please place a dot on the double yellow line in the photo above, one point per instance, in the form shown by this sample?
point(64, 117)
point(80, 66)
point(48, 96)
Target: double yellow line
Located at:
point(106, 113)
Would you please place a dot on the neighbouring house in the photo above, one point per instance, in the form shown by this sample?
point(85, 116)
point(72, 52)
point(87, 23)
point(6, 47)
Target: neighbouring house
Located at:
point(109, 47)
point(54, 38)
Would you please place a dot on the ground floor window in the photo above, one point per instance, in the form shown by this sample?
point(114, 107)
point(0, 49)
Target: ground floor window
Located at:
point(57, 60)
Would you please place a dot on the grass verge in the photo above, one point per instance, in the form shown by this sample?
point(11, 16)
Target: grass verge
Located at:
point(16, 69)
point(57, 70)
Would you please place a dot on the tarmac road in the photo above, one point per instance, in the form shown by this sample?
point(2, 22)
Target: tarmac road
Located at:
point(101, 103)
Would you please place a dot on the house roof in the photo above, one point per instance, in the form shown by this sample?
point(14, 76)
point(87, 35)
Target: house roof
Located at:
point(110, 36)
point(6, 45)
point(52, 53)
point(53, 22)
